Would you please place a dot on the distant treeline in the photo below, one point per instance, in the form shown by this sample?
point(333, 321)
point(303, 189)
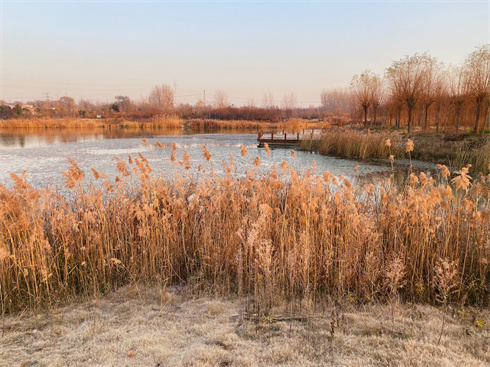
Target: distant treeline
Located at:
point(415, 90)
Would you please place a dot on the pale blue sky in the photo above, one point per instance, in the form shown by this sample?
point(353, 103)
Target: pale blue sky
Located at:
point(100, 49)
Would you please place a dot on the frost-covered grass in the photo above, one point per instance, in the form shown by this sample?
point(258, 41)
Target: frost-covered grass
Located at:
point(154, 327)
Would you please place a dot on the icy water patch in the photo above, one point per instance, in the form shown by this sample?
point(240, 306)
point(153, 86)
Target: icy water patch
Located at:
point(45, 161)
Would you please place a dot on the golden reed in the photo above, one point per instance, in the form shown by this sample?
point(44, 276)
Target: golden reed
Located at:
point(279, 236)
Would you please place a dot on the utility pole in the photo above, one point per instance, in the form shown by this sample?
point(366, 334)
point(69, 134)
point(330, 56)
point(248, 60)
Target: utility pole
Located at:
point(204, 97)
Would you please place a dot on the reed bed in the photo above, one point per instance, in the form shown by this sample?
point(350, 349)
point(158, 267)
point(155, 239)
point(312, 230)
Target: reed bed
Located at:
point(454, 150)
point(295, 125)
point(476, 153)
point(277, 237)
point(292, 125)
point(230, 125)
point(349, 143)
point(42, 123)
point(74, 123)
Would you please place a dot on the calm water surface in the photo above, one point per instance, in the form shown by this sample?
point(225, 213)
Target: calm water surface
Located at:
point(44, 155)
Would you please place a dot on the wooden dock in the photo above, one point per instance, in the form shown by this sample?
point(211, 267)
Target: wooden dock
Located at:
point(280, 139)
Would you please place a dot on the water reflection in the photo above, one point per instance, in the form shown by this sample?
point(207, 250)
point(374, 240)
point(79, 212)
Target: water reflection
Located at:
point(25, 138)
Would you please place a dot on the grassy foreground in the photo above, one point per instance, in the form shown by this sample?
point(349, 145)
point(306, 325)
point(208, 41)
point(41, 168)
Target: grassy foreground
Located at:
point(175, 327)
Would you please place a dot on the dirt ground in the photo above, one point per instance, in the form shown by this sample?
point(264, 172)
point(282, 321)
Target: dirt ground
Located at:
point(149, 327)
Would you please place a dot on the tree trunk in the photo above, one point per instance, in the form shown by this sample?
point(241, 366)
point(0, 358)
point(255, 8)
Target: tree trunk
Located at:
point(410, 117)
point(426, 121)
point(457, 122)
point(437, 119)
point(375, 110)
point(487, 118)
point(477, 120)
point(365, 115)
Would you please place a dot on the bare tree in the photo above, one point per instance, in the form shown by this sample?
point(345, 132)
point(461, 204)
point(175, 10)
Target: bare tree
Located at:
point(162, 98)
point(220, 99)
point(68, 103)
point(457, 91)
point(268, 100)
point(86, 105)
point(377, 94)
point(477, 79)
point(123, 103)
point(441, 98)
point(289, 102)
point(406, 78)
point(361, 87)
point(336, 100)
point(432, 75)
point(251, 103)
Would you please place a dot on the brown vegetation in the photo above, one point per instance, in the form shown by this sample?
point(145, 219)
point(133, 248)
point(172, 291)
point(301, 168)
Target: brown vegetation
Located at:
point(350, 143)
point(73, 123)
point(275, 237)
point(451, 150)
point(210, 125)
point(454, 151)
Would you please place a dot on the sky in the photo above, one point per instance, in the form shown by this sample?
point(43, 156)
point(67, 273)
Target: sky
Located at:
point(97, 50)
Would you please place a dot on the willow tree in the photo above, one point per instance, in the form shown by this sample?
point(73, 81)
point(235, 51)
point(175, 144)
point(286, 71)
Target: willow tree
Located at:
point(457, 91)
point(377, 94)
point(362, 89)
point(442, 98)
point(406, 79)
point(432, 84)
point(477, 79)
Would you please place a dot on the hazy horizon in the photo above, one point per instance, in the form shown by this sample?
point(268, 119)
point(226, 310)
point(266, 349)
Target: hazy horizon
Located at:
point(97, 50)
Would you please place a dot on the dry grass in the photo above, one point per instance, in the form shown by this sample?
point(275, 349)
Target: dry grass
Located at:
point(154, 123)
point(292, 125)
point(45, 123)
point(152, 327)
point(226, 125)
point(350, 143)
point(295, 125)
point(452, 150)
point(73, 123)
point(274, 238)
point(475, 153)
